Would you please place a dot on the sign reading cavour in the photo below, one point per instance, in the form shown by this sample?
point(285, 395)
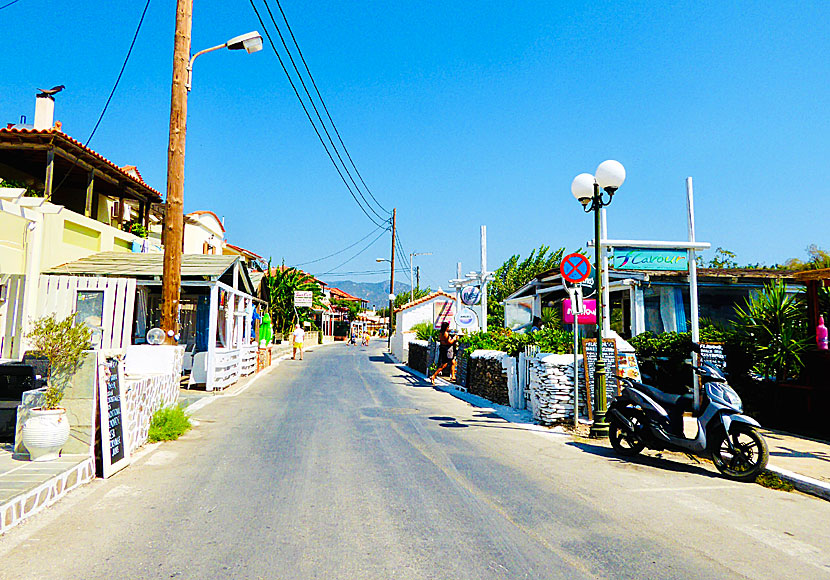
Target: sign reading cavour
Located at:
point(649, 259)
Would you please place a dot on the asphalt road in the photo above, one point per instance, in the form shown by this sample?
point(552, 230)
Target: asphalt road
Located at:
point(343, 466)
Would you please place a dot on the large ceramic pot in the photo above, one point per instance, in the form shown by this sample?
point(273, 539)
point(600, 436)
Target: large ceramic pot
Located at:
point(45, 433)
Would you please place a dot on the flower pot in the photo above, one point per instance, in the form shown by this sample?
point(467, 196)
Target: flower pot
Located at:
point(45, 433)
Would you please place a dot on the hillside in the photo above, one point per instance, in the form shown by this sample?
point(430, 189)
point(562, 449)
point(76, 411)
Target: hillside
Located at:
point(377, 293)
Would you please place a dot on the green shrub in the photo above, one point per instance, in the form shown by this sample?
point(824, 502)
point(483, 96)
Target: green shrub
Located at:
point(551, 340)
point(63, 342)
point(168, 424)
point(425, 330)
point(775, 323)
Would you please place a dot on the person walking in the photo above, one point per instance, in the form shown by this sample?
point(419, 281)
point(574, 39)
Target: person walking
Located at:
point(446, 351)
point(297, 339)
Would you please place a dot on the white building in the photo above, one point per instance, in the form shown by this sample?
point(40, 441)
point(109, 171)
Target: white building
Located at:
point(433, 308)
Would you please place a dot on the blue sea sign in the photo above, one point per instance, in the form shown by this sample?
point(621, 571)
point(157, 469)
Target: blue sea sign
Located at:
point(650, 259)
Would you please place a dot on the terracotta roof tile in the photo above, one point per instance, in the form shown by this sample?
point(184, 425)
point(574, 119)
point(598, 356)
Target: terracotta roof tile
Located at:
point(56, 132)
point(426, 298)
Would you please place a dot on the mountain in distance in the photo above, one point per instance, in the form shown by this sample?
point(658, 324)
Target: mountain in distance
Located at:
point(377, 293)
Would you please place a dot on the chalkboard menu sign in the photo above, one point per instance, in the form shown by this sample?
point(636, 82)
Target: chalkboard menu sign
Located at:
point(609, 355)
point(113, 444)
point(712, 353)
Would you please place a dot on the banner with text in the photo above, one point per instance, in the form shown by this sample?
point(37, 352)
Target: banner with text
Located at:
point(650, 259)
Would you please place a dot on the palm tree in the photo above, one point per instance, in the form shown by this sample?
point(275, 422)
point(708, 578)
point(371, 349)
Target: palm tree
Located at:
point(282, 283)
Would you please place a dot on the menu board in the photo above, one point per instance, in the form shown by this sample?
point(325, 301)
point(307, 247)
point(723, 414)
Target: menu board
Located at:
point(628, 367)
point(712, 353)
point(609, 355)
point(114, 452)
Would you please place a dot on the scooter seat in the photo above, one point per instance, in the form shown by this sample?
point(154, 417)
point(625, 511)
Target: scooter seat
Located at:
point(685, 401)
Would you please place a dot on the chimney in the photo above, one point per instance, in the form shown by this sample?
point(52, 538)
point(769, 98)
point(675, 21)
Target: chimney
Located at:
point(44, 112)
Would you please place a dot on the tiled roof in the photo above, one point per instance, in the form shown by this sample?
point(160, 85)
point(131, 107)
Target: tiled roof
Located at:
point(243, 251)
point(207, 212)
point(60, 135)
point(426, 298)
point(341, 295)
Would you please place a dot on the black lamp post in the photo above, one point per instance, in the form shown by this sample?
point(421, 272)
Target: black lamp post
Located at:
point(588, 190)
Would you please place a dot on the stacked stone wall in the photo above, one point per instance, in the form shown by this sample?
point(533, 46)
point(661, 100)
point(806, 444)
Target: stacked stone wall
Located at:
point(550, 388)
point(487, 377)
point(419, 356)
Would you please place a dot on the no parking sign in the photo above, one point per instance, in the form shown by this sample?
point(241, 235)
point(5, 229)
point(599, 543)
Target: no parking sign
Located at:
point(575, 268)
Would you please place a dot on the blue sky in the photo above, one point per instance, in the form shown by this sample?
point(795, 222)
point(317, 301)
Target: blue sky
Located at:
point(461, 114)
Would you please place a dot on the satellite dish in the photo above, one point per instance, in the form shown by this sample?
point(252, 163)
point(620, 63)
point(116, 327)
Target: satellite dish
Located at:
point(155, 336)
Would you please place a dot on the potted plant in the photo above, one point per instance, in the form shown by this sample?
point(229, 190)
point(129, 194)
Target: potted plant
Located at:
point(63, 342)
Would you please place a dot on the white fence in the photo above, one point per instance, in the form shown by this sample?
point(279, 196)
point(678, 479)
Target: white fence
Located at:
point(111, 311)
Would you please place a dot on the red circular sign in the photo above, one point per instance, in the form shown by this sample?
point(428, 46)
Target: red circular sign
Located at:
point(575, 268)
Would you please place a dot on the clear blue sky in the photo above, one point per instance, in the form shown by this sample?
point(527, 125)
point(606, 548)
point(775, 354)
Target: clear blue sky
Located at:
point(461, 114)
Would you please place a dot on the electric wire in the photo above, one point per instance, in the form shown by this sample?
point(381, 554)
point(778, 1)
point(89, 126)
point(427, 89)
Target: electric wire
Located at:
point(325, 108)
point(112, 93)
point(316, 111)
point(9, 4)
point(340, 251)
point(369, 245)
point(308, 115)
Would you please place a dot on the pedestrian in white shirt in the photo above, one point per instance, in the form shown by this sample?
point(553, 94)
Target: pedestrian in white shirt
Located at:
point(297, 338)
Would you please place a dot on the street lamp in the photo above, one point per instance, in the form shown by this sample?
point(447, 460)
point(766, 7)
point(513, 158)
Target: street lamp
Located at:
point(174, 216)
point(411, 278)
point(250, 41)
point(587, 189)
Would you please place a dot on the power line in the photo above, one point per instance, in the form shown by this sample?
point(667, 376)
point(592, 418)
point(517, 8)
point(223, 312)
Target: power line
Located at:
point(369, 245)
point(120, 73)
point(9, 4)
point(314, 106)
point(340, 251)
point(308, 115)
point(112, 92)
point(325, 108)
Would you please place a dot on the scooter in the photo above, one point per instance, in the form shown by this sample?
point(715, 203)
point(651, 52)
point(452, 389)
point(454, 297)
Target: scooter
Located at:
point(644, 416)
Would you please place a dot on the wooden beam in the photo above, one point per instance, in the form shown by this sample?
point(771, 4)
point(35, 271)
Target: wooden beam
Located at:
point(50, 173)
point(90, 194)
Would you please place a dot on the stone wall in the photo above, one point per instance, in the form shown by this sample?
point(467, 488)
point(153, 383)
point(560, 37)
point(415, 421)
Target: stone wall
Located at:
point(419, 356)
point(144, 395)
point(550, 388)
point(487, 377)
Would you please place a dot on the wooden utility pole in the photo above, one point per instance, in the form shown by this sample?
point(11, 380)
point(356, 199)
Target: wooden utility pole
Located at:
point(392, 280)
point(173, 220)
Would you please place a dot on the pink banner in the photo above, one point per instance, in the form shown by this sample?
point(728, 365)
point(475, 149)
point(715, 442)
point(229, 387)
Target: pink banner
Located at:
point(590, 306)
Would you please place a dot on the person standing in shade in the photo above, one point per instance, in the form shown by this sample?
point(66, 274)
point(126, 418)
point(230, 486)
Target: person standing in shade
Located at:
point(297, 338)
point(446, 351)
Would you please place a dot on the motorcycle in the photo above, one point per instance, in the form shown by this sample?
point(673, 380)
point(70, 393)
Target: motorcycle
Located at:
point(644, 416)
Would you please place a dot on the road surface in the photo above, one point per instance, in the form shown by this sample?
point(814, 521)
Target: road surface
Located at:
point(343, 466)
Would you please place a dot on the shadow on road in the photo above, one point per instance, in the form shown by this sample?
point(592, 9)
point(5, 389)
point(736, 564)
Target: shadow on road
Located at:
point(655, 461)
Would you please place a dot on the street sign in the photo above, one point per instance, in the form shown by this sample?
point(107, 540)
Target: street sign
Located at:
point(575, 268)
point(302, 298)
point(470, 295)
point(588, 315)
point(443, 312)
point(467, 318)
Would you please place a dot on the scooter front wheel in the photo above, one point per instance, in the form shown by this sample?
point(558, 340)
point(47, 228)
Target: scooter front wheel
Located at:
point(747, 457)
point(623, 441)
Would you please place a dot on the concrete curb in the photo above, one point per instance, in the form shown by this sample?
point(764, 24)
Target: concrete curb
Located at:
point(802, 483)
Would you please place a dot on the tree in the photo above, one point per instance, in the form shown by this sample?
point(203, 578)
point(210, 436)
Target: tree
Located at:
point(514, 274)
point(353, 308)
point(282, 283)
point(817, 260)
point(722, 259)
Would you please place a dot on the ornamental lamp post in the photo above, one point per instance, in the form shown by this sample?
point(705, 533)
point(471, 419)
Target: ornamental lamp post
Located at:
point(588, 190)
